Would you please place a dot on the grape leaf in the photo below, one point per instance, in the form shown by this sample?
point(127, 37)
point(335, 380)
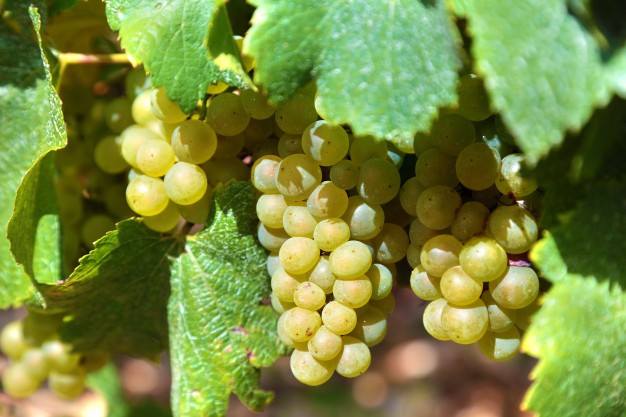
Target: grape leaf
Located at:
point(579, 337)
point(32, 125)
point(383, 67)
point(220, 334)
point(123, 283)
point(185, 45)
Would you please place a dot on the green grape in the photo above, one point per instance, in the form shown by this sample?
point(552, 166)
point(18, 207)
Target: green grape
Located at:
point(67, 385)
point(299, 255)
point(511, 180)
point(467, 324)
point(522, 317)
point(258, 132)
point(326, 143)
point(350, 260)
point(146, 196)
point(225, 170)
point(271, 239)
point(499, 319)
point(309, 295)
point(115, 201)
point(514, 228)
point(198, 212)
point(483, 259)
point(420, 234)
point(500, 346)
point(433, 319)
point(298, 221)
point(228, 146)
point(108, 155)
point(308, 370)
point(331, 233)
point(297, 176)
point(132, 138)
point(371, 326)
point(458, 288)
point(39, 327)
point(18, 382)
point(365, 220)
point(273, 261)
point(437, 207)
point(282, 333)
point(413, 253)
point(227, 115)
point(256, 104)
point(452, 133)
point(155, 157)
point(327, 200)
point(284, 284)
point(391, 244)
point(36, 364)
point(165, 220)
point(470, 220)
point(385, 305)
point(338, 318)
point(60, 357)
point(194, 141)
point(301, 324)
point(364, 148)
point(135, 82)
point(395, 155)
point(355, 358)
point(164, 108)
point(381, 278)
point(12, 341)
point(379, 181)
point(141, 109)
point(297, 113)
point(353, 293)
point(434, 167)
point(345, 174)
point(477, 166)
point(289, 145)
point(185, 183)
point(424, 285)
point(95, 227)
point(270, 209)
point(422, 142)
point(325, 345)
point(473, 99)
point(263, 174)
point(117, 114)
point(280, 306)
point(322, 276)
point(440, 254)
point(161, 129)
point(409, 192)
point(516, 289)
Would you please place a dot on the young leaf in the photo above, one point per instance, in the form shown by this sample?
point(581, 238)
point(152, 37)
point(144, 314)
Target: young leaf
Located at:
point(383, 67)
point(220, 334)
point(184, 45)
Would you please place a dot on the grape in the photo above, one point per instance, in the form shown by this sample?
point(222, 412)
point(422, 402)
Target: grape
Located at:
point(326, 143)
point(194, 141)
point(523, 316)
point(452, 133)
point(391, 244)
point(297, 176)
point(432, 319)
point(500, 346)
point(198, 212)
point(268, 147)
point(298, 221)
point(310, 296)
point(164, 108)
point(338, 318)
point(355, 358)
point(60, 357)
point(371, 326)
point(67, 385)
point(514, 228)
point(511, 181)
point(18, 382)
point(516, 289)
point(365, 220)
point(155, 157)
point(409, 192)
point(499, 320)
point(420, 234)
point(437, 206)
point(108, 155)
point(12, 341)
point(413, 253)
point(225, 170)
point(422, 142)
point(281, 332)
point(185, 183)
point(299, 255)
point(489, 197)
point(132, 138)
point(477, 166)
point(280, 306)
point(273, 261)
point(164, 221)
point(115, 201)
point(381, 278)
point(395, 155)
point(327, 200)
point(135, 82)
point(141, 109)
point(38, 327)
point(95, 227)
point(256, 104)
point(483, 259)
point(434, 167)
point(325, 345)
point(470, 220)
point(379, 181)
point(385, 305)
point(322, 276)
point(297, 113)
point(227, 115)
point(308, 370)
point(257, 132)
point(353, 293)
point(216, 88)
point(270, 209)
point(263, 174)
point(440, 254)
point(467, 324)
point(228, 146)
point(350, 260)
point(458, 288)
point(289, 145)
point(117, 114)
point(271, 239)
point(364, 148)
point(424, 285)
point(162, 130)
point(331, 233)
point(36, 364)
point(473, 99)
point(345, 174)
point(301, 324)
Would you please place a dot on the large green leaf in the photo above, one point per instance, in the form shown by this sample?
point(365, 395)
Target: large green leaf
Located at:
point(185, 45)
point(32, 125)
point(220, 334)
point(116, 298)
point(383, 67)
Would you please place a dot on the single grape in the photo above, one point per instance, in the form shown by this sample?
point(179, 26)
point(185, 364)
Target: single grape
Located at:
point(309, 295)
point(259, 131)
point(108, 155)
point(437, 206)
point(381, 278)
point(432, 319)
point(155, 157)
point(338, 318)
point(385, 305)
point(229, 146)
point(511, 179)
point(452, 133)
point(371, 326)
point(467, 324)
point(12, 341)
point(409, 192)
point(185, 183)
point(322, 276)
point(222, 171)
point(420, 234)
point(294, 115)
point(227, 115)
point(477, 166)
point(198, 212)
point(390, 244)
point(60, 356)
point(164, 108)
point(458, 288)
point(326, 143)
point(299, 255)
point(94, 227)
point(297, 176)
point(263, 174)
point(36, 364)
point(413, 253)
point(440, 254)
point(350, 260)
point(514, 228)
point(353, 293)
point(280, 306)
point(132, 138)
point(18, 382)
point(271, 239)
point(483, 259)
point(499, 319)
point(424, 285)
point(141, 109)
point(308, 370)
point(194, 141)
point(301, 324)
point(327, 200)
point(117, 114)
point(500, 346)
point(364, 148)
point(379, 181)
point(67, 385)
point(365, 220)
point(282, 333)
point(345, 174)
point(298, 221)
point(434, 167)
point(39, 327)
point(165, 221)
point(470, 220)
point(355, 358)
point(256, 104)
point(422, 142)
point(270, 209)
point(331, 233)
point(289, 145)
point(473, 99)
point(516, 289)
point(325, 345)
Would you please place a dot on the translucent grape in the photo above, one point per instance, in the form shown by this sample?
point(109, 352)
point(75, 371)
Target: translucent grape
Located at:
point(298, 221)
point(18, 382)
point(499, 319)
point(437, 207)
point(390, 244)
point(270, 209)
point(434, 167)
point(301, 324)
point(420, 234)
point(350, 260)
point(371, 326)
point(108, 155)
point(297, 176)
point(477, 166)
point(132, 138)
point(381, 278)
point(117, 114)
point(500, 346)
point(363, 148)
point(365, 220)
point(280, 306)
point(263, 174)
point(413, 253)
point(308, 370)
point(226, 114)
point(194, 141)
point(12, 341)
point(483, 259)
point(338, 318)
point(473, 99)
point(155, 157)
point(440, 254)
point(467, 324)
point(424, 285)
point(514, 228)
point(185, 183)
point(141, 109)
point(516, 289)
point(309, 295)
point(355, 358)
point(327, 200)
point(36, 364)
point(458, 288)
point(326, 143)
point(322, 276)
point(452, 133)
point(331, 233)
point(222, 171)
point(94, 227)
point(164, 108)
point(511, 180)
point(385, 305)
point(271, 239)
point(67, 385)
point(256, 104)
point(289, 145)
point(198, 212)
point(379, 181)
point(165, 220)
point(345, 174)
point(409, 192)
point(299, 255)
point(470, 220)
point(297, 113)
point(325, 345)
point(60, 356)
point(353, 293)
point(432, 319)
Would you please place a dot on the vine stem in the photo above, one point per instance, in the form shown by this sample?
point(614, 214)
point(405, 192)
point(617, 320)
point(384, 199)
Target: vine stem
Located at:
point(72, 58)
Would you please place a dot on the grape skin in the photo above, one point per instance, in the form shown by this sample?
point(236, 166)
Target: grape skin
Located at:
point(12, 341)
point(381, 278)
point(165, 220)
point(326, 143)
point(452, 133)
point(289, 145)
point(325, 345)
point(301, 324)
point(298, 112)
point(458, 288)
point(299, 255)
point(194, 141)
point(516, 289)
point(467, 324)
point(298, 221)
point(371, 326)
point(379, 181)
point(308, 370)
point(256, 104)
point(483, 259)
point(310, 296)
point(355, 358)
point(297, 176)
point(473, 99)
point(164, 108)
point(499, 320)
point(440, 253)
point(391, 244)
point(132, 138)
point(185, 183)
point(350, 260)
point(437, 207)
point(434, 167)
point(271, 239)
point(94, 227)
point(18, 382)
point(338, 318)
point(424, 286)
point(364, 148)
point(108, 155)
point(67, 385)
point(432, 319)
point(477, 166)
point(420, 234)
point(500, 346)
point(345, 174)
point(198, 212)
point(353, 293)
point(327, 200)
point(227, 115)
point(510, 180)
point(155, 157)
point(365, 220)
point(514, 228)
point(146, 196)
point(263, 174)
point(409, 192)
point(331, 233)
point(322, 276)
point(470, 220)
point(413, 253)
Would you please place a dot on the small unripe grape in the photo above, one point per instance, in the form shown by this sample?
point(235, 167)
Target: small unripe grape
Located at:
point(365, 220)
point(331, 233)
point(164, 108)
point(483, 259)
point(434, 167)
point(299, 255)
point(227, 115)
point(420, 234)
point(67, 385)
point(297, 176)
point(437, 206)
point(301, 324)
point(500, 346)
point(350, 260)
point(379, 181)
point(473, 99)
point(185, 183)
point(256, 104)
point(381, 278)
point(516, 289)
point(327, 200)
point(385, 305)
point(391, 244)
point(452, 133)
point(477, 166)
point(355, 358)
point(459, 288)
point(308, 370)
point(117, 114)
point(409, 192)
point(326, 143)
point(470, 220)
point(499, 319)
point(289, 145)
point(322, 276)
point(514, 228)
point(12, 341)
point(284, 284)
point(165, 220)
point(294, 115)
point(363, 148)
point(371, 326)
point(310, 296)
point(146, 196)
point(263, 174)
point(425, 286)
point(467, 324)
point(155, 157)
point(353, 293)
point(345, 174)
point(338, 318)
point(18, 382)
point(511, 181)
point(432, 319)
point(108, 155)
point(270, 209)
point(194, 141)
point(440, 254)
point(325, 345)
